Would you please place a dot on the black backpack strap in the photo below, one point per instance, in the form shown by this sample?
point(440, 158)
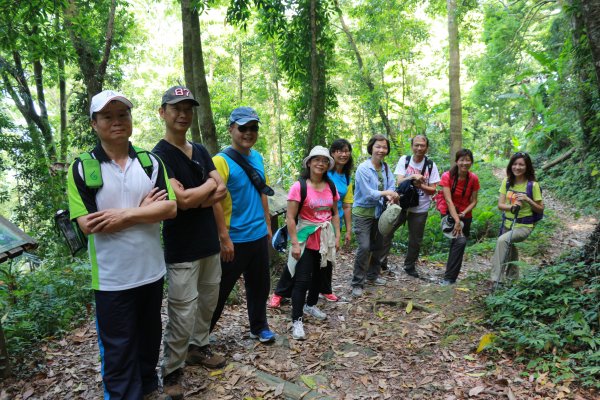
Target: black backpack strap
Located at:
point(258, 182)
point(406, 162)
point(302, 194)
point(303, 191)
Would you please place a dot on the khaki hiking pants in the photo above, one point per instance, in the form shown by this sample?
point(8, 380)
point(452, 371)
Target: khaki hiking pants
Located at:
point(193, 294)
point(501, 255)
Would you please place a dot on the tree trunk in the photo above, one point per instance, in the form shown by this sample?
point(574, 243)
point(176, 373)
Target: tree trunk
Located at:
point(314, 77)
point(275, 73)
point(585, 111)
point(454, 81)
point(4, 360)
point(363, 72)
point(188, 61)
point(240, 74)
point(93, 70)
point(205, 116)
point(591, 16)
point(62, 89)
point(20, 93)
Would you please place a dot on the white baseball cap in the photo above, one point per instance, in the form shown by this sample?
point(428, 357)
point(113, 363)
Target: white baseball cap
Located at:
point(100, 100)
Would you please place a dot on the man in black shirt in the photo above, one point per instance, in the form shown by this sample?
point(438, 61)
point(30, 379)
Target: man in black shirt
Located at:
point(191, 243)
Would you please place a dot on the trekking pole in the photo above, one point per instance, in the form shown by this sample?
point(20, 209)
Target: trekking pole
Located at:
point(503, 266)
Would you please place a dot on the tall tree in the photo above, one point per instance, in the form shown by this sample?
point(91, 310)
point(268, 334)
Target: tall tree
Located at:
point(364, 73)
point(305, 44)
point(454, 80)
point(190, 17)
point(92, 55)
point(188, 60)
point(591, 15)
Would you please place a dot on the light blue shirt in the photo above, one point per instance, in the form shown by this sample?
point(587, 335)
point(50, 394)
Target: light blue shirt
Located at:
point(366, 184)
point(341, 185)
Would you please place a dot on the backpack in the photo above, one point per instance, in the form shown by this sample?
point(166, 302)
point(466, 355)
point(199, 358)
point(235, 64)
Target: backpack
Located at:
point(409, 195)
point(92, 175)
point(280, 238)
point(439, 198)
point(534, 217)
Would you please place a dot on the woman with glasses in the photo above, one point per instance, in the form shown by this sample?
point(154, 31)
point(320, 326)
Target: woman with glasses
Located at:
point(522, 206)
point(313, 226)
point(459, 188)
point(374, 187)
point(339, 175)
point(341, 151)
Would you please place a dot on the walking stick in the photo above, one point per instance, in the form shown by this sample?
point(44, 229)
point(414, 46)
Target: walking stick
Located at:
point(507, 254)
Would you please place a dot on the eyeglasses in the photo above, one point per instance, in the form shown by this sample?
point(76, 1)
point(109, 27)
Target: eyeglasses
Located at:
point(320, 160)
point(245, 128)
point(342, 151)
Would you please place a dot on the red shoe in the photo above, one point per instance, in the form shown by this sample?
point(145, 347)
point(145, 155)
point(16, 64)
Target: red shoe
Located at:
point(275, 301)
point(330, 297)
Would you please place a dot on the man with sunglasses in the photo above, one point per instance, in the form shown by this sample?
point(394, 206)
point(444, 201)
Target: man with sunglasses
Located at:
point(244, 224)
point(191, 243)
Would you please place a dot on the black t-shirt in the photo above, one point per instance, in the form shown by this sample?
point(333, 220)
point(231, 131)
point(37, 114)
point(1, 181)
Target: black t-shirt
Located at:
point(193, 233)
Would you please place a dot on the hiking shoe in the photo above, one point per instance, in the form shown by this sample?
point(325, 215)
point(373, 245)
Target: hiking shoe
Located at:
point(204, 356)
point(172, 385)
point(265, 336)
point(298, 330)
point(357, 291)
point(275, 301)
point(446, 282)
point(329, 297)
point(412, 272)
point(315, 312)
point(377, 282)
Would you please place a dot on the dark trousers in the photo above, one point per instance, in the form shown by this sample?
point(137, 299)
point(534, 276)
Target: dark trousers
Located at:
point(306, 279)
point(129, 334)
point(416, 229)
point(285, 283)
point(456, 253)
point(252, 260)
point(371, 251)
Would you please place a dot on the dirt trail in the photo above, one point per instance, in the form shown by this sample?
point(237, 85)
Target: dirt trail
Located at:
point(363, 350)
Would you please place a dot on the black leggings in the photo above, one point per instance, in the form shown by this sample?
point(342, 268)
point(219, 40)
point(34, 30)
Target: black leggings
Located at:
point(306, 279)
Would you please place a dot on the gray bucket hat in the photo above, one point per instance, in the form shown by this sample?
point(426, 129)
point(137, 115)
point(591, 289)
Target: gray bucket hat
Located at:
point(389, 220)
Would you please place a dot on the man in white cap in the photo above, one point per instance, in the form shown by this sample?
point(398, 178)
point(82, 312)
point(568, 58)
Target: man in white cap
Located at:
point(191, 242)
point(244, 222)
point(118, 194)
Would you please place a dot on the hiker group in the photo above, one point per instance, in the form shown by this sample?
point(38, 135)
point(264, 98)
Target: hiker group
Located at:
point(216, 227)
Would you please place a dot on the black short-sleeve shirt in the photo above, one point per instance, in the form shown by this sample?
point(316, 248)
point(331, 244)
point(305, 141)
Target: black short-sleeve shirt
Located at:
point(193, 233)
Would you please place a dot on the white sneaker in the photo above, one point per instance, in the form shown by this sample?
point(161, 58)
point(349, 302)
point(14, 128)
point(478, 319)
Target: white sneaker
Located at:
point(298, 330)
point(314, 311)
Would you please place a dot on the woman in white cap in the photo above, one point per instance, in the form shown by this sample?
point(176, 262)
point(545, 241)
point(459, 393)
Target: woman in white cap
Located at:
point(313, 226)
point(459, 188)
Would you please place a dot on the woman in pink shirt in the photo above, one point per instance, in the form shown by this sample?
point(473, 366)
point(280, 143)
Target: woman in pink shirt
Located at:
point(314, 231)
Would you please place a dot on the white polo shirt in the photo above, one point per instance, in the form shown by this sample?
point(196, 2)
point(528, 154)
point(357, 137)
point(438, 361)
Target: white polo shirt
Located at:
point(132, 257)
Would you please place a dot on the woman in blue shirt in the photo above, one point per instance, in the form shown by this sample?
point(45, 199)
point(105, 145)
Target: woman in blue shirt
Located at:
point(341, 151)
point(374, 186)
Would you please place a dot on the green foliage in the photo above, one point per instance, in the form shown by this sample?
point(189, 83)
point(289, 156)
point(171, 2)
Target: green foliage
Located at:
point(550, 319)
point(576, 181)
point(43, 302)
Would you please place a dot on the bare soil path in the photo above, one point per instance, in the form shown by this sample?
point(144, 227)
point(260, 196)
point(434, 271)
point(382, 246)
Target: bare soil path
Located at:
point(410, 339)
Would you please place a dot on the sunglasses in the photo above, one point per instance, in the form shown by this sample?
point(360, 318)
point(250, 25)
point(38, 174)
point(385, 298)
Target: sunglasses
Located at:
point(245, 128)
point(521, 154)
